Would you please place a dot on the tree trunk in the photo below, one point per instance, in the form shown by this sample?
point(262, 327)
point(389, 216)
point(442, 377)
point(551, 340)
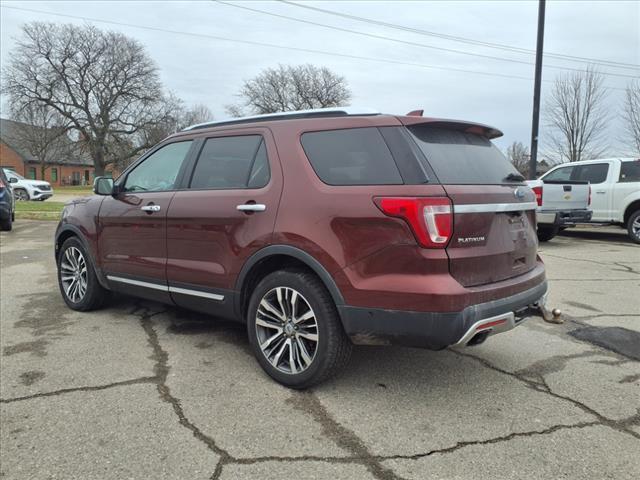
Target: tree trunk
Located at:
point(98, 162)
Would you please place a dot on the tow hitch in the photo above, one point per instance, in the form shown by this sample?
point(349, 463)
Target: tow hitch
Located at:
point(550, 316)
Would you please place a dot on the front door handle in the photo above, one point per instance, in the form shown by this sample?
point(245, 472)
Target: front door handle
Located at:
point(150, 208)
point(252, 207)
point(600, 191)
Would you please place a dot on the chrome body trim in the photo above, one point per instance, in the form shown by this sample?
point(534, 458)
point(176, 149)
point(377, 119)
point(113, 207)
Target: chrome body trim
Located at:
point(196, 293)
point(166, 288)
point(137, 283)
point(494, 207)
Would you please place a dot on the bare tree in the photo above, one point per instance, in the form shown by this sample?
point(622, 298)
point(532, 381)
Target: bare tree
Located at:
point(103, 83)
point(632, 113)
point(577, 114)
point(519, 156)
point(290, 87)
point(41, 132)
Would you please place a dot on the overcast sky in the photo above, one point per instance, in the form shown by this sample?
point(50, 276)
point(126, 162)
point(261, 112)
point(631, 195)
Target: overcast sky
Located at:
point(210, 71)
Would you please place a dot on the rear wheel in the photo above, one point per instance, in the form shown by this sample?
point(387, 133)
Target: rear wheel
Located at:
point(547, 233)
point(295, 331)
point(77, 279)
point(633, 226)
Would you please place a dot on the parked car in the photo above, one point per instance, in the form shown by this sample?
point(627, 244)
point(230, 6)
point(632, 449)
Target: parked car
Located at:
point(317, 229)
point(562, 203)
point(25, 189)
point(7, 203)
point(615, 189)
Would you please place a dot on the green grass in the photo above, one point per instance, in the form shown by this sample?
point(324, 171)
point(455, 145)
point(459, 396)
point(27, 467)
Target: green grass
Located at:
point(74, 190)
point(39, 210)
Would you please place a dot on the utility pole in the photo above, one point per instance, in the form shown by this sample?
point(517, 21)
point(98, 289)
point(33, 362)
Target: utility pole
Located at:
point(535, 124)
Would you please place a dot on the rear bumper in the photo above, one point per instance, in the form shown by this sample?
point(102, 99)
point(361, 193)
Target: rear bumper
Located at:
point(561, 218)
point(437, 330)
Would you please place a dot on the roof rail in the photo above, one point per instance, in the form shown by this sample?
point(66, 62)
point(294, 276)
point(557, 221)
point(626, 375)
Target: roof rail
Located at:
point(313, 113)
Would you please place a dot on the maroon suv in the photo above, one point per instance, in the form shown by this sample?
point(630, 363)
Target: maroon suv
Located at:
point(317, 229)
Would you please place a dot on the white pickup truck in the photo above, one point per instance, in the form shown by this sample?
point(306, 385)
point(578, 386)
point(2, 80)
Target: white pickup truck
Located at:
point(615, 189)
point(562, 203)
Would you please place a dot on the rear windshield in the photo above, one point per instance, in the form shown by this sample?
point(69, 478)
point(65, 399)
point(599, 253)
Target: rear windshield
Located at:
point(356, 156)
point(459, 157)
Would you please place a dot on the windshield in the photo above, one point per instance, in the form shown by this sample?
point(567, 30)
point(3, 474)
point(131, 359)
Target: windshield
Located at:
point(459, 157)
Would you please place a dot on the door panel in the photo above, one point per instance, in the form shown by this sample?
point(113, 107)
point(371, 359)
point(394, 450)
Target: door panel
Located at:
point(209, 238)
point(596, 174)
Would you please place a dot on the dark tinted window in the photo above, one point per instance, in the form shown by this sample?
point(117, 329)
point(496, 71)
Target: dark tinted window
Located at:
point(562, 174)
point(592, 173)
point(356, 156)
point(232, 162)
point(630, 171)
point(158, 172)
point(459, 157)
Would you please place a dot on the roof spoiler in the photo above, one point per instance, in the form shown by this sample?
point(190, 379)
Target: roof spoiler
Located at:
point(415, 118)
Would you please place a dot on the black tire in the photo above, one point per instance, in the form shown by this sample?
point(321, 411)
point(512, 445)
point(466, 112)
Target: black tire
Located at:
point(634, 230)
point(94, 294)
point(547, 233)
point(7, 224)
point(333, 348)
point(20, 194)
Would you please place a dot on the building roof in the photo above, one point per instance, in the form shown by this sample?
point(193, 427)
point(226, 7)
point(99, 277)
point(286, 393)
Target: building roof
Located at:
point(10, 132)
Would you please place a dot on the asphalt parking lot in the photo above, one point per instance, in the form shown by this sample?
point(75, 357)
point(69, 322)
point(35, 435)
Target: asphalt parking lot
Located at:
point(140, 390)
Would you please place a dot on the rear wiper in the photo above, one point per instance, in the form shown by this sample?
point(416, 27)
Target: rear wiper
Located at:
point(514, 177)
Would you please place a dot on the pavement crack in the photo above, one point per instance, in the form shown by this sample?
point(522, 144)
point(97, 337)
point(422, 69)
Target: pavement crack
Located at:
point(309, 403)
point(92, 388)
point(161, 369)
point(504, 438)
point(620, 426)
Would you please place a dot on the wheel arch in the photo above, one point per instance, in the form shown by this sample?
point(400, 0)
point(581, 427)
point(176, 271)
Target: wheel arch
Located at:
point(276, 257)
point(631, 208)
point(67, 231)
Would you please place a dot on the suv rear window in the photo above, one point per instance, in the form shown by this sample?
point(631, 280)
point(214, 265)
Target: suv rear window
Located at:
point(356, 156)
point(459, 157)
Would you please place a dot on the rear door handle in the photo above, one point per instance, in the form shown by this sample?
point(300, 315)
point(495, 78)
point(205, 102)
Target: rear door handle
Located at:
point(600, 191)
point(150, 208)
point(252, 207)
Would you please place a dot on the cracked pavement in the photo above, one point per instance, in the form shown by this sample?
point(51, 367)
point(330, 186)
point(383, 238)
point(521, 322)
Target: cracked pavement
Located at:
point(142, 390)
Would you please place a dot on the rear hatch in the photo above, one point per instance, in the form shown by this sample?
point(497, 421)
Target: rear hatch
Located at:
point(494, 233)
point(564, 195)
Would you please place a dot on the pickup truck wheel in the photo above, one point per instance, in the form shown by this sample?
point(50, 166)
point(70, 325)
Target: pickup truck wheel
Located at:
point(77, 279)
point(295, 331)
point(547, 233)
point(633, 226)
point(20, 194)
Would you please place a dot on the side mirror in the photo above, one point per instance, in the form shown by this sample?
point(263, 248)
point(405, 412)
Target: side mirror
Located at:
point(13, 180)
point(103, 186)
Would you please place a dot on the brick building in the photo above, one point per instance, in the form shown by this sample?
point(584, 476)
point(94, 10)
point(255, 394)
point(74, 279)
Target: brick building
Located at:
point(70, 169)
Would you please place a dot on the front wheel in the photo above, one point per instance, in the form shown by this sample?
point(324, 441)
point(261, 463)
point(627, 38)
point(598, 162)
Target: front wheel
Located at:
point(633, 226)
point(295, 331)
point(546, 233)
point(20, 194)
point(77, 279)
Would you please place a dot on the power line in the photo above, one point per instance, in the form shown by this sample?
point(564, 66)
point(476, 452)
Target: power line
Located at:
point(270, 45)
point(414, 44)
point(471, 41)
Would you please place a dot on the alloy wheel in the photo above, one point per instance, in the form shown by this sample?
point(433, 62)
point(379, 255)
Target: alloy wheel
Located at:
point(21, 195)
point(73, 274)
point(287, 330)
point(635, 227)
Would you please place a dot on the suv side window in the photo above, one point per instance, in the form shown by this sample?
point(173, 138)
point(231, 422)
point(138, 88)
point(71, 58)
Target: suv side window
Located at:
point(159, 171)
point(630, 171)
point(592, 173)
point(562, 174)
point(232, 162)
point(356, 156)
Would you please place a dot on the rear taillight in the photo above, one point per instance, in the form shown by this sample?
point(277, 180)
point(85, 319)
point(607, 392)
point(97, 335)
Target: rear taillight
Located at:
point(589, 201)
point(430, 218)
point(1, 183)
point(538, 192)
